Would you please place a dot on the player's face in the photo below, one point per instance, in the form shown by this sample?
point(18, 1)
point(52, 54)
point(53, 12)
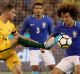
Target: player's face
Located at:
point(38, 10)
point(66, 18)
point(11, 14)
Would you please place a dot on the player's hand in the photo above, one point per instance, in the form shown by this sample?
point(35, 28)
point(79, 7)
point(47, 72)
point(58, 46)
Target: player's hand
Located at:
point(48, 43)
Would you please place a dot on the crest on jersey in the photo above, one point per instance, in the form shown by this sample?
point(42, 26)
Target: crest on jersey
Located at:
point(74, 34)
point(44, 25)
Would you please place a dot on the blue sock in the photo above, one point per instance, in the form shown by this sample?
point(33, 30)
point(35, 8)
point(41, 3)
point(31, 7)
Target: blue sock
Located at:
point(35, 72)
point(56, 39)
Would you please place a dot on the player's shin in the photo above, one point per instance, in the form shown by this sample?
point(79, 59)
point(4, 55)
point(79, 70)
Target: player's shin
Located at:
point(29, 43)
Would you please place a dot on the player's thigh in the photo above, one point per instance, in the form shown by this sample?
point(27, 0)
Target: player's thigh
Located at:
point(65, 65)
point(77, 64)
point(48, 57)
point(34, 57)
point(12, 61)
point(57, 71)
point(77, 69)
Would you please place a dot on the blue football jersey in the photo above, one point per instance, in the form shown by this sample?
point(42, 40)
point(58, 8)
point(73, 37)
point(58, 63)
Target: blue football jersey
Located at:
point(74, 33)
point(39, 29)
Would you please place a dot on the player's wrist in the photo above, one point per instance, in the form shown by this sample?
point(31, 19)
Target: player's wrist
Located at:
point(14, 41)
point(49, 42)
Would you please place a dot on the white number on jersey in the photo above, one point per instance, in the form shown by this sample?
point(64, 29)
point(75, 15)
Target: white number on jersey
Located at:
point(37, 30)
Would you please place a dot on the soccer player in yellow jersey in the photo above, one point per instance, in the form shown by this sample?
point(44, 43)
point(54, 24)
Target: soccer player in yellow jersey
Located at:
point(7, 52)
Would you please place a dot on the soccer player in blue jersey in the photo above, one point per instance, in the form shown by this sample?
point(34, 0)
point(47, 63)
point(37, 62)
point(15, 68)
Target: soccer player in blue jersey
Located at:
point(68, 13)
point(39, 26)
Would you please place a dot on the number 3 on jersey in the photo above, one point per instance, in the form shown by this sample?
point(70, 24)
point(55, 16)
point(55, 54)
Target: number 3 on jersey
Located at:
point(37, 30)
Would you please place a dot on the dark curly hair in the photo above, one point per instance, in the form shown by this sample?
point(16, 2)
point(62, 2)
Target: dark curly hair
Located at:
point(68, 8)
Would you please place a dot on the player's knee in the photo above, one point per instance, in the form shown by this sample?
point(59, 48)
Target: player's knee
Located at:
point(57, 71)
point(17, 69)
point(35, 67)
point(51, 67)
point(77, 69)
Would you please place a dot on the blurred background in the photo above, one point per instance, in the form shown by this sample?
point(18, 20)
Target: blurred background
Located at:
point(24, 8)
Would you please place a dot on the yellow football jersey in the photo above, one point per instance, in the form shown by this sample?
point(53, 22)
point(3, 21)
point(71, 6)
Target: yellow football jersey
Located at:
point(5, 30)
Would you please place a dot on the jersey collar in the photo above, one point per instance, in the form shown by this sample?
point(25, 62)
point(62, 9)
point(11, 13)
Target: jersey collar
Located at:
point(34, 16)
point(74, 23)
